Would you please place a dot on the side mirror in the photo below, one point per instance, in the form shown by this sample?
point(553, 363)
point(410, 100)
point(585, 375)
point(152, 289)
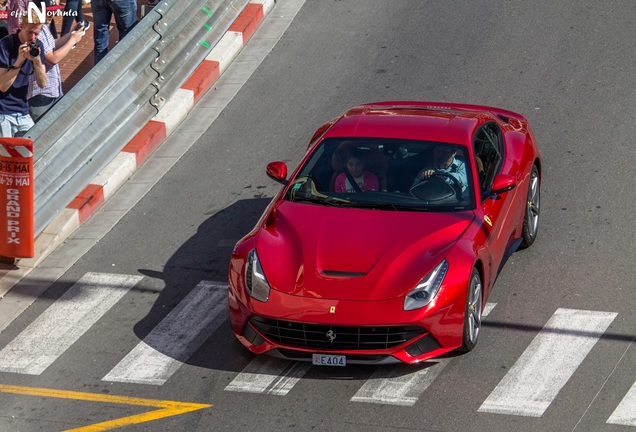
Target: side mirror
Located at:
point(277, 171)
point(502, 183)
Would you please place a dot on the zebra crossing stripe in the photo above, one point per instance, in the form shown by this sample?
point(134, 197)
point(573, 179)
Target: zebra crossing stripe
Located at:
point(176, 338)
point(488, 308)
point(64, 322)
point(269, 375)
point(548, 363)
point(625, 412)
point(395, 386)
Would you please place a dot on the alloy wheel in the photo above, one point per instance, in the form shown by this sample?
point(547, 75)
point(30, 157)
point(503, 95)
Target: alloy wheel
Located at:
point(475, 308)
point(532, 208)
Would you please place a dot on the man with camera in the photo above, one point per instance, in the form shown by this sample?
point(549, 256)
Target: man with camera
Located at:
point(21, 55)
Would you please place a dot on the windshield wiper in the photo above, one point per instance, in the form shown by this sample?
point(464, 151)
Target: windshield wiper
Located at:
point(315, 200)
point(385, 206)
point(400, 207)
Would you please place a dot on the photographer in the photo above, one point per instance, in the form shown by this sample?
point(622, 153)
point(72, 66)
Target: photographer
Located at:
point(21, 55)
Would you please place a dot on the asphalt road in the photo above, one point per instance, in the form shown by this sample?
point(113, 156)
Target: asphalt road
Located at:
point(561, 330)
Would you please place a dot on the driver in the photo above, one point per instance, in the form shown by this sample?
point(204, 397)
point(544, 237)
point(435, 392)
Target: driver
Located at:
point(444, 162)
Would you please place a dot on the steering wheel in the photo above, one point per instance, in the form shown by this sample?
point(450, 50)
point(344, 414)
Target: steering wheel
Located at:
point(439, 177)
point(457, 186)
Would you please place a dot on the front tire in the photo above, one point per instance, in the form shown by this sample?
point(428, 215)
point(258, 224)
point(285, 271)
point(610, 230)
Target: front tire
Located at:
point(473, 312)
point(531, 217)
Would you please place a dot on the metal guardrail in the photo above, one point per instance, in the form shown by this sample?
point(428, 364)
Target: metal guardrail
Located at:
point(90, 125)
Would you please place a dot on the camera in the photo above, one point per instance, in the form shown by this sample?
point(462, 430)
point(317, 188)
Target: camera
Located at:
point(34, 49)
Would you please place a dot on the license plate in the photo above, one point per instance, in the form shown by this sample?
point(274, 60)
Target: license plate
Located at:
point(328, 360)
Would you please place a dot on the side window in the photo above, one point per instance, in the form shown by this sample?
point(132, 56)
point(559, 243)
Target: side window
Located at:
point(488, 154)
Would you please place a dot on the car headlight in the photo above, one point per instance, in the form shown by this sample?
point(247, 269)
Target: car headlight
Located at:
point(426, 289)
point(255, 281)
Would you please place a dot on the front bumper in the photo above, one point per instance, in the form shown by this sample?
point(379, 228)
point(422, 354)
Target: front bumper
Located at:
point(430, 332)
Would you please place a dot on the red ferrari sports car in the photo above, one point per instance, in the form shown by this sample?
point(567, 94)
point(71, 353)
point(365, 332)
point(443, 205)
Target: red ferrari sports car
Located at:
point(385, 242)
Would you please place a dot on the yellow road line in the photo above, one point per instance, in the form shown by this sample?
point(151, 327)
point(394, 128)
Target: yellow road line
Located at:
point(168, 408)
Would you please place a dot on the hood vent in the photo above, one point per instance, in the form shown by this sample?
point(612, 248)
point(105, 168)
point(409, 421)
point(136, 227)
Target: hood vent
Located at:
point(342, 274)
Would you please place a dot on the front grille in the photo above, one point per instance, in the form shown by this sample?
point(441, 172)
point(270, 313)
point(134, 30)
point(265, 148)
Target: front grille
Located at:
point(318, 336)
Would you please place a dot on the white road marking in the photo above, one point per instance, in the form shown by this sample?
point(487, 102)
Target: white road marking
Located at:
point(548, 363)
point(395, 386)
point(64, 322)
point(269, 375)
point(176, 337)
point(392, 386)
point(625, 412)
point(488, 308)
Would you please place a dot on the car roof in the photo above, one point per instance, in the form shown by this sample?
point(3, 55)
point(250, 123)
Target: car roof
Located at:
point(452, 123)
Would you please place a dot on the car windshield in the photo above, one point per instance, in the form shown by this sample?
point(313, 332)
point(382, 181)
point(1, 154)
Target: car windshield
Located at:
point(385, 174)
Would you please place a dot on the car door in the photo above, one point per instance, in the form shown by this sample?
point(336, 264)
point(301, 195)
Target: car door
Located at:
point(493, 209)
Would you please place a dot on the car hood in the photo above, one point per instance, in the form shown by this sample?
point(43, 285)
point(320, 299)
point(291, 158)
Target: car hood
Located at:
point(353, 254)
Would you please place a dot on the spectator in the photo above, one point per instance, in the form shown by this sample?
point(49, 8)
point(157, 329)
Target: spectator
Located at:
point(16, 64)
point(125, 12)
point(41, 99)
point(16, 10)
point(4, 25)
point(67, 21)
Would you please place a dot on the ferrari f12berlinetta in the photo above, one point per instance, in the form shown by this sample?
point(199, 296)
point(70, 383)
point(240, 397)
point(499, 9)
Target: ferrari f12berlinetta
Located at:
point(384, 243)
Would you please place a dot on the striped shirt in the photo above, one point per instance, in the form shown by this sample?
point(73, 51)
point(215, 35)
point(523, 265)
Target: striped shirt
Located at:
point(53, 88)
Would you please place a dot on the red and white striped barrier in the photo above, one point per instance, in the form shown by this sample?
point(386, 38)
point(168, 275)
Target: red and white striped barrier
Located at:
point(16, 198)
point(137, 151)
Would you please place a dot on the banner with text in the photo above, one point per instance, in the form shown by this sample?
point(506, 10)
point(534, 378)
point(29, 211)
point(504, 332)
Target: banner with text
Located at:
point(16, 198)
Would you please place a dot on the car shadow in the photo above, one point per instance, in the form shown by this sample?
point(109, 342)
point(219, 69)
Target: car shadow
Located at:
point(205, 256)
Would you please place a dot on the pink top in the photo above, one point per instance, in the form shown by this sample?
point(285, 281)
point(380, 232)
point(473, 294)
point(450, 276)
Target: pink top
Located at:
point(367, 182)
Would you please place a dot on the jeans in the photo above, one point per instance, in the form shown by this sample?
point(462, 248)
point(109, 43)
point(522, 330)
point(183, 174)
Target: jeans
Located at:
point(125, 12)
point(39, 105)
point(67, 21)
point(15, 125)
